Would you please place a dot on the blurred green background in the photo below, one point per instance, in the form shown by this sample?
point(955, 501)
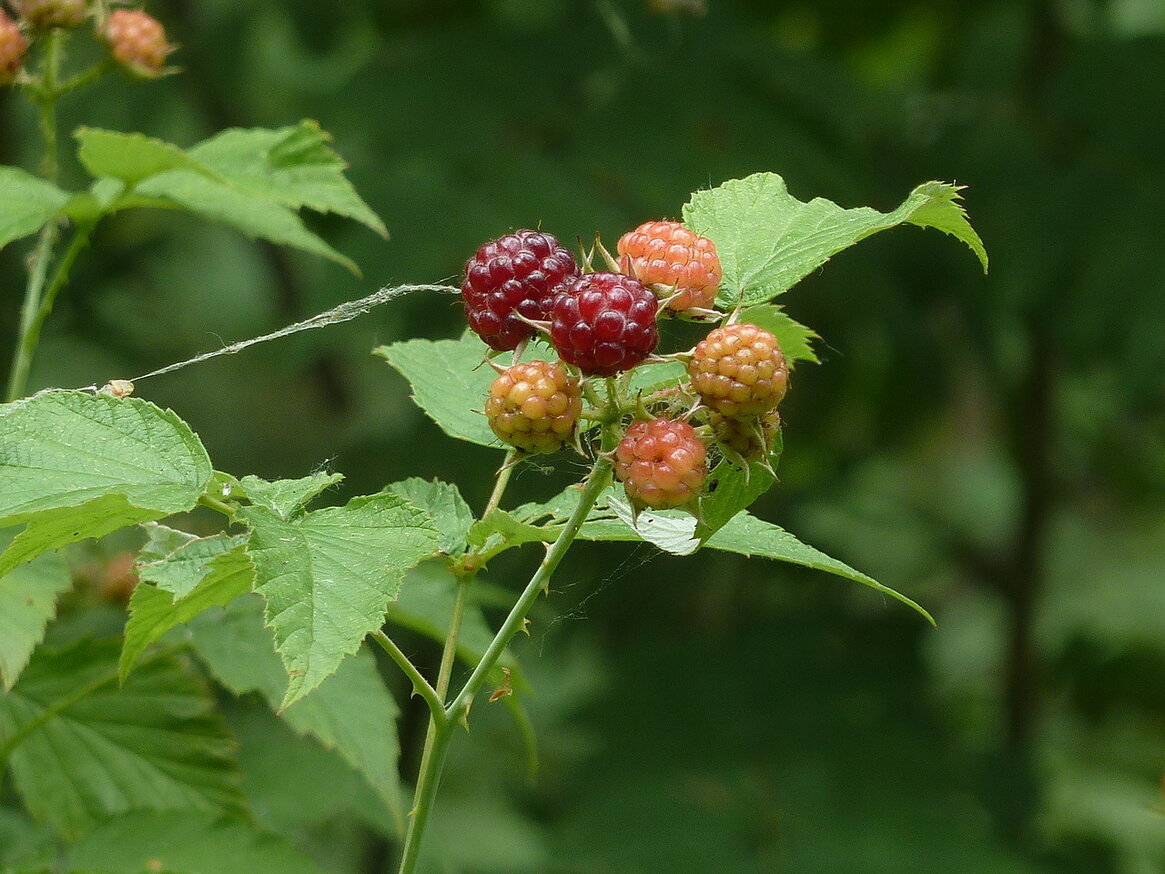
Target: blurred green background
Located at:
point(992, 447)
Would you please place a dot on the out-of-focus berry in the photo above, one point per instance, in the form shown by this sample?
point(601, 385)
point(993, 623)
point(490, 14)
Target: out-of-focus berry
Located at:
point(138, 42)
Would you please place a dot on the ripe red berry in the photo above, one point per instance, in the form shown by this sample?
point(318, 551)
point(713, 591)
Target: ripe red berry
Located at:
point(516, 274)
point(604, 323)
point(674, 262)
point(138, 41)
point(661, 464)
point(739, 371)
point(43, 14)
point(534, 406)
point(13, 46)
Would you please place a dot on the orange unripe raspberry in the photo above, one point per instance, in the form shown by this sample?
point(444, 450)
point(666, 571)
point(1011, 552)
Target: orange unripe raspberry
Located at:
point(43, 14)
point(13, 46)
point(661, 464)
point(138, 41)
point(739, 371)
point(674, 262)
point(534, 406)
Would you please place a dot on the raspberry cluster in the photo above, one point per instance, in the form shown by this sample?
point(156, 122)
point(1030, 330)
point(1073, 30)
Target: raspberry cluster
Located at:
point(680, 266)
point(604, 323)
point(510, 278)
point(534, 406)
point(13, 47)
point(661, 464)
point(137, 41)
point(739, 371)
point(44, 14)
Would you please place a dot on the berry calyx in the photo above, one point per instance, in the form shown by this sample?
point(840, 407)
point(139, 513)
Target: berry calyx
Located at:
point(138, 42)
point(604, 323)
point(534, 406)
point(13, 46)
point(739, 371)
point(44, 14)
point(515, 275)
point(746, 440)
point(661, 464)
point(677, 264)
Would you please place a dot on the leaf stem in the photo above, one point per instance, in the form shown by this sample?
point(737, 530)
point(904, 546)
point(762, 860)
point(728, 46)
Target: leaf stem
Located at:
point(39, 300)
point(441, 733)
point(420, 684)
point(502, 481)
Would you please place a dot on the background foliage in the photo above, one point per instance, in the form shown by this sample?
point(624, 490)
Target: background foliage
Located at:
point(992, 447)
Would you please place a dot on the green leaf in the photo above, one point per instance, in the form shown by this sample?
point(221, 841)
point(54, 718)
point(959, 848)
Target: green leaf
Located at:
point(176, 562)
point(450, 382)
point(448, 510)
point(254, 216)
point(794, 339)
point(328, 576)
point(75, 465)
point(350, 712)
point(730, 489)
point(768, 240)
point(27, 203)
point(186, 841)
point(28, 600)
point(293, 166)
point(129, 157)
point(205, 572)
point(82, 750)
point(500, 531)
point(748, 535)
point(287, 497)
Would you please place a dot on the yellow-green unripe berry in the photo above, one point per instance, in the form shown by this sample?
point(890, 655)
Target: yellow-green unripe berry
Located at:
point(534, 406)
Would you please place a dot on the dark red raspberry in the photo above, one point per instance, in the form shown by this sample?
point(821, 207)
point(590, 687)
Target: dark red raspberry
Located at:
point(738, 370)
point(518, 273)
point(534, 406)
point(661, 464)
point(604, 323)
point(13, 46)
point(44, 14)
point(138, 42)
point(677, 264)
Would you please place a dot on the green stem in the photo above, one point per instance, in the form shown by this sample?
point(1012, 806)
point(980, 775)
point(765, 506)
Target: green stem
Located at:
point(46, 95)
point(39, 299)
point(502, 481)
point(441, 733)
point(228, 510)
point(420, 684)
point(437, 738)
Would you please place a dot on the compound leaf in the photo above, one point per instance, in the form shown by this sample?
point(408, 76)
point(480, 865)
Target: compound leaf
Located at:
point(329, 575)
point(27, 203)
point(448, 510)
point(748, 535)
point(28, 600)
point(129, 157)
point(254, 216)
point(768, 240)
point(75, 465)
point(351, 712)
point(186, 841)
point(293, 166)
point(82, 750)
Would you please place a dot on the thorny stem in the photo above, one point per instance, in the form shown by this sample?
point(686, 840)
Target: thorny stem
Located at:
point(420, 684)
point(441, 731)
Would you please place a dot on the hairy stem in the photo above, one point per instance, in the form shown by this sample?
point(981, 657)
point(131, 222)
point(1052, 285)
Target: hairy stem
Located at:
point(441, 733)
